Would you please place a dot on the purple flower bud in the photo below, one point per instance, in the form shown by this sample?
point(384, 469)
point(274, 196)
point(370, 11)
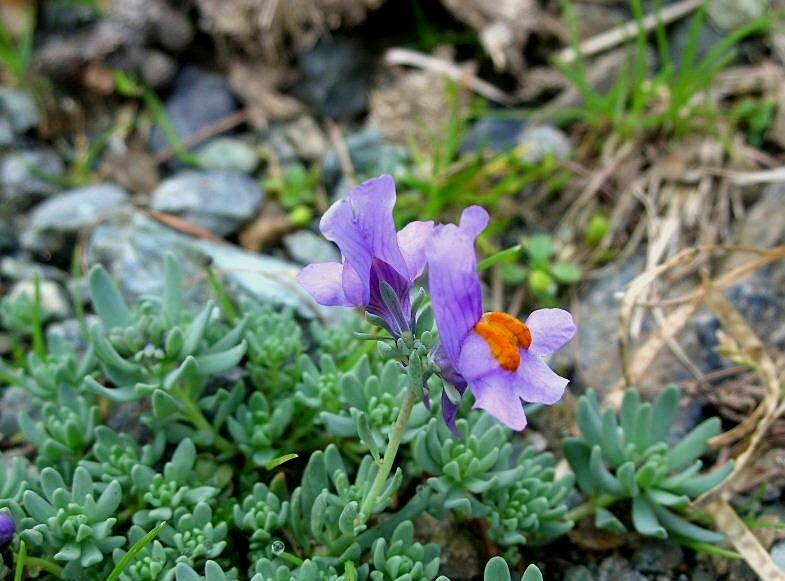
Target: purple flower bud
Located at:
point(7, 528)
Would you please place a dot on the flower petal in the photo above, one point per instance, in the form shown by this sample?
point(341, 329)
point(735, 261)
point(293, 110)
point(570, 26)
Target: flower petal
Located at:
point(536, 382)
point(476, 359)
point(362, 226)
point(551, 330)
point(474, 220)
point(494, 393)
point(324, 282)
point(456, 294)
point(411, 241)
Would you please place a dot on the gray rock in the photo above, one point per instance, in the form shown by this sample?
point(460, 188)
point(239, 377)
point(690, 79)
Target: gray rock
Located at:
point(617, 568)
point(541, 141)
point(597, 351)
point(307, 247)
point(493, 134)
point(132, 247)
point(18, 269)
point(228, 153)
point(369, 155)
point(29, 174)
point(307, 139)
point(7, 236)
point(198, 99)
point(338, 73)
point(679, 38)
point(54, 302)
point(18, 114)
point(14, 400)
point(778, 554)
point(65, 214)
point(657, 557)
point(219, 201)
point(730, 14)
point(70, 331)
point(578, 573)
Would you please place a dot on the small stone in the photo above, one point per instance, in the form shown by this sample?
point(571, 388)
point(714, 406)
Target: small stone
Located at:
point(541, 141)
point(307, 139)
point(307, 247)
point(70, 331)
point(67, 213)
point(54, 302)
point(657, 557)
point(198, 100)
point(228, 153)
point(578, 573)
point(731, 14)
point(493, 134)
point(18, 269)
point(338, 73)
point(29, 174)
point(18, 114)
point(219, 201)
point(778, 554)
point(617, 568)
point(369, 155)
point(14, 401)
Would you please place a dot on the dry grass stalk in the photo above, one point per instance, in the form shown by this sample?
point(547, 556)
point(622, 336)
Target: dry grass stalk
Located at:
point(744, 541)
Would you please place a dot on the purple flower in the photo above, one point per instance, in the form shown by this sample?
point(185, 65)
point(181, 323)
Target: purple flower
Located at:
point(7, 527)
point(375, 256)
point(497, 356)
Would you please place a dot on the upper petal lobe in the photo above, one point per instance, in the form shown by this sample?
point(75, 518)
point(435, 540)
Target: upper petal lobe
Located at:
point(551, 330)
point(411, 241)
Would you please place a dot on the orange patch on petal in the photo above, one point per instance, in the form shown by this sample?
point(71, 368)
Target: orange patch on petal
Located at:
point(505, 335)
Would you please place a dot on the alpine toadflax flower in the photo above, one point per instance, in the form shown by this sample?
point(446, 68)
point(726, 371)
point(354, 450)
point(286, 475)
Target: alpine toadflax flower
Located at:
point(7, 527)
point(379, 264)
point(494, 354)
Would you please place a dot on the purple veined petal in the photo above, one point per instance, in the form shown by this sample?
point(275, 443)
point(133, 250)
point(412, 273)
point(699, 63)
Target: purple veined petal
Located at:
point(324, 282)
point(362, 226)
point(536, 382)
point(456, 294)
point(551, 330)
point(354, 288)
point(474, 220)
point(495, 393)
point(411, 240)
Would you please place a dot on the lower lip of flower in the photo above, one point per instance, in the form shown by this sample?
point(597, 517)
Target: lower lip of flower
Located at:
point(505, 335)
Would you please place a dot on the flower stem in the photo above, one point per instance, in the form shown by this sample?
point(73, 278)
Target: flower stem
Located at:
point(389, 454)
point(588, 507)
point(499, 256)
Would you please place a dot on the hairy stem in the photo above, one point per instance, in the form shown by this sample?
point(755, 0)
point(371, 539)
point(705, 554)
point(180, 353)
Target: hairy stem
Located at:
point(389, 454)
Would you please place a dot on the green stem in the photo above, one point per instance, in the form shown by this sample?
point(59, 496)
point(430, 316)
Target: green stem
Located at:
point(588, 507)
point(48, 566)
point(497, 257)
point(223, 298)
point(37, 323)
point(389, 454)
